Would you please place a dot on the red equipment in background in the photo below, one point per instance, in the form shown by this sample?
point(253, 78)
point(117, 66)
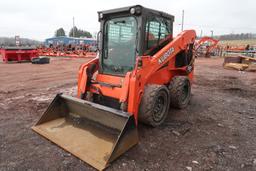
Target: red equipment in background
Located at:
point(237, 48)
point(18, 54)
point(74, 51)
point(205, 46)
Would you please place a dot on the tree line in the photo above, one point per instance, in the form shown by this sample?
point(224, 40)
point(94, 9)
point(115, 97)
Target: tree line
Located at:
point(10, 41)
point(74, 32)
point(241, 36)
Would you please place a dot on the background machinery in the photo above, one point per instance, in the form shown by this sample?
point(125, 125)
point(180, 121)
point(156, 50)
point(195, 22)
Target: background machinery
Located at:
point(18, 54)
point(139, 72)
point(206, 46)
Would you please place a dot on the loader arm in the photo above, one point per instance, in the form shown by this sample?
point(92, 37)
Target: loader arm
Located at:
point(181, 42)
point(85, 72)
point(164, 58)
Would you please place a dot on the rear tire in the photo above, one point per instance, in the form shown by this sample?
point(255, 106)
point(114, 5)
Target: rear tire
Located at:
point(154, 106)
point(180, 92)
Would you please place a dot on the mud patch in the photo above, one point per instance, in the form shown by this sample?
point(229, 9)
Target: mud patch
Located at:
point(228, 84)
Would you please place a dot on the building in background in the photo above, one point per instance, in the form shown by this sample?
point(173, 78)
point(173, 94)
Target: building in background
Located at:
point(63, 40)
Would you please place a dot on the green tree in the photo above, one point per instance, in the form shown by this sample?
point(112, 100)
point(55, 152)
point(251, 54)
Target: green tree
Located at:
point(79, 33)
point(73, 32)
point(60, 32)
point(84, 33)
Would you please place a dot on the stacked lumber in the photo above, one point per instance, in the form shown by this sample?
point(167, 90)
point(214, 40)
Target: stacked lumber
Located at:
point(240, 63)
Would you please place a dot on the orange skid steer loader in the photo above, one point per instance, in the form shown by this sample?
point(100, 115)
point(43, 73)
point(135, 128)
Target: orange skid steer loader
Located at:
point(140, 70)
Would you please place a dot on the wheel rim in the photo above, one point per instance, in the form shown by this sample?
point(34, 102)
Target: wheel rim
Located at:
point(185, 93)
point(160, 107)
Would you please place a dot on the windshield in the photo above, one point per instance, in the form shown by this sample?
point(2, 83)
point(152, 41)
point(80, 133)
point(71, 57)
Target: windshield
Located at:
point(119, 46)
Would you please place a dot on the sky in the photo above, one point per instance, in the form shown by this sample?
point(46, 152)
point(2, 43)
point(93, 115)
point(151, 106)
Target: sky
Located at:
point(38, 19)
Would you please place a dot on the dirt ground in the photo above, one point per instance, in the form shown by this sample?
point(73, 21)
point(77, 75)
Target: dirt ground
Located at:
point(216, 132)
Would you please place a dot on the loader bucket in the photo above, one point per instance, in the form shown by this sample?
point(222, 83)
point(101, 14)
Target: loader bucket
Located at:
point(94, 133)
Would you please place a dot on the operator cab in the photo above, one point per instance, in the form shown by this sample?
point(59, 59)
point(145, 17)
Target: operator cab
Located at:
point(128, 32)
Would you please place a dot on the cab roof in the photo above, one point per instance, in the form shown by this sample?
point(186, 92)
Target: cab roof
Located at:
point(144, 11)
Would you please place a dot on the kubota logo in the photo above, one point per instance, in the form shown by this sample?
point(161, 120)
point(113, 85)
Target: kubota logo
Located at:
point(165, 55)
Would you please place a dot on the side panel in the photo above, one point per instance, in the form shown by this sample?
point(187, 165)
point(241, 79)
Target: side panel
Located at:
point(162, 76)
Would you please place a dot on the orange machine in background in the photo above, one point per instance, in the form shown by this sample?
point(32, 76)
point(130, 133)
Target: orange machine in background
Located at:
point(73, 51)
point(206, 46)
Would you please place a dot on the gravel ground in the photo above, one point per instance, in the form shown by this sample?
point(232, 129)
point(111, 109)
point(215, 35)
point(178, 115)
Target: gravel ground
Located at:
point(215, 132)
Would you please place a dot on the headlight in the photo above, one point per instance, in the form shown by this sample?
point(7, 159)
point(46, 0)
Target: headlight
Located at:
point(100, 15)
point(135, 10)
point(132, 11)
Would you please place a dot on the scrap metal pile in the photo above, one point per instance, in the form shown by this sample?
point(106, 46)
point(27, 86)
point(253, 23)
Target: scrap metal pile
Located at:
point(76, 51)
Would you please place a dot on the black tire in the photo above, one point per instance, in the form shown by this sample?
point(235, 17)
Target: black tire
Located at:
point(41, 60)
point(180, 92)
point(154, 106)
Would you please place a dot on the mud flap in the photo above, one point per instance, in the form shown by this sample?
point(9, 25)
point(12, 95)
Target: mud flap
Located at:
point(94, 133)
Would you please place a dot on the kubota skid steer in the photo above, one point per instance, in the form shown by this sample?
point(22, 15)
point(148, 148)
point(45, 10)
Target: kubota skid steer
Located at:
point(139, 72)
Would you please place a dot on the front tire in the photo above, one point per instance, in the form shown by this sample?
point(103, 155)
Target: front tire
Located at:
point(154, 106)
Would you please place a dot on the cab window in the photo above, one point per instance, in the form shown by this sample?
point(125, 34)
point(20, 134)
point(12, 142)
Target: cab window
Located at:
point(157, 34)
